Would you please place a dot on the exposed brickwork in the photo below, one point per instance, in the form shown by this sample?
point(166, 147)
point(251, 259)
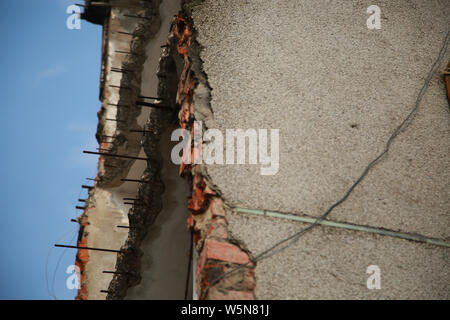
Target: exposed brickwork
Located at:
point(223, 251)
point(82, 257)
point(216, 252)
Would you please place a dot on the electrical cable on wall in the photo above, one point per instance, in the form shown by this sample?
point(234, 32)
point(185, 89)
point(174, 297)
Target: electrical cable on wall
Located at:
point(289, 241)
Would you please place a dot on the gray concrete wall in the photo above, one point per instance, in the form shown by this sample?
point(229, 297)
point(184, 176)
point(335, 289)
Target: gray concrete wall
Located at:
point(165, 263)
point(107, 206)
point(336, 90)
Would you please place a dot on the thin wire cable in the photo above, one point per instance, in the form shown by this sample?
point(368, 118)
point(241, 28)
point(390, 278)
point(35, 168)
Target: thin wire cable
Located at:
point(47, 260)
point(403, 125)
point(57, 267)
point(51, 288)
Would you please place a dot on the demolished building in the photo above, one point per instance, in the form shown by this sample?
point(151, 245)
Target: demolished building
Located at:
point(335, 89)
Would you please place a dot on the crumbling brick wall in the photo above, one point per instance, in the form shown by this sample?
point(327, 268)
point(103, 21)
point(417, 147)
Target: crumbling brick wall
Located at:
point(82, 258)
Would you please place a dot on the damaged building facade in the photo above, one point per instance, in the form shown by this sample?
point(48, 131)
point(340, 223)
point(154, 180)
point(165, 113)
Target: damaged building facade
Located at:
point(335, 89)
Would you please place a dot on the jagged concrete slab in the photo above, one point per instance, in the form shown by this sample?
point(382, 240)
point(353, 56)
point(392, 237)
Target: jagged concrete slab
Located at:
point(124, 45)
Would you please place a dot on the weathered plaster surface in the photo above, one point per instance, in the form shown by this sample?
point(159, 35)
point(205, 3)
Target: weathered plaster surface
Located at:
point(332, 263)
point(336, 91)
point(107, 214)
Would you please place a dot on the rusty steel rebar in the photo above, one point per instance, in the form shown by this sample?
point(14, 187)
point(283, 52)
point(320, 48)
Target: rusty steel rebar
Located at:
point(149, 105)
point(117, 120)
point(153, 98)
point(87, 248)
point(119, 105)
point(119, 87)
point(115, 272)
point(114, 155)
point(134, 180)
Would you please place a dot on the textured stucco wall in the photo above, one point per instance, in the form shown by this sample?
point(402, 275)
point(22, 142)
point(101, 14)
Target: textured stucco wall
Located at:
point(336, 90)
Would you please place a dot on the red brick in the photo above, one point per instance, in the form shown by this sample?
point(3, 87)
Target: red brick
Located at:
point(208, 190)
point(81, 297)
point(249, 280)
point(190, 221)
point(245, 275)
point(225, 252)
point(198, 201)
point(216, 207)
point(196, 180)
point(200, 263)
point(83, 254)
point(218, 230)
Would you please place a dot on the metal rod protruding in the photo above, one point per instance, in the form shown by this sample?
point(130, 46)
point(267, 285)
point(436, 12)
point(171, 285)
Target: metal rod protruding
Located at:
point(87, 248)
point(134, 180)
point(114, 155)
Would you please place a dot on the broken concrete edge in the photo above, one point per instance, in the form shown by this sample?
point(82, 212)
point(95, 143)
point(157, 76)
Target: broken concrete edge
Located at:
point(142, 215)
point(218, 253)
point(124, 142)
point(117, 168)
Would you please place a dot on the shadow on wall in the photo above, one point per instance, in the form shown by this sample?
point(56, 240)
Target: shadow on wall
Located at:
point(166, 248)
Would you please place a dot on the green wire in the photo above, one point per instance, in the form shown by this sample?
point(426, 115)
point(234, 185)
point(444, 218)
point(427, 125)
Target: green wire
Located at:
point(329, 223)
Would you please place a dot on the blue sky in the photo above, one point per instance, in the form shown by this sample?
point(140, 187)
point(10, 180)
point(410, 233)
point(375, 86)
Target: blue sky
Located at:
point(49, 102)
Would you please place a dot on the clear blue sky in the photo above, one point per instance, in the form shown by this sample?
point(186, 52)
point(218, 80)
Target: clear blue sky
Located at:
point(49, 100)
